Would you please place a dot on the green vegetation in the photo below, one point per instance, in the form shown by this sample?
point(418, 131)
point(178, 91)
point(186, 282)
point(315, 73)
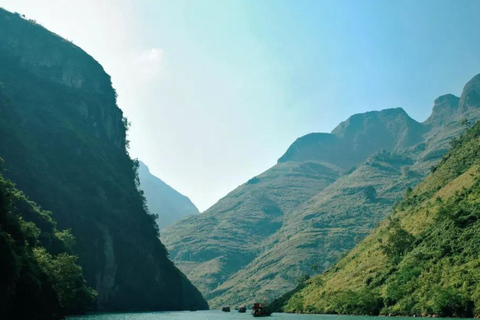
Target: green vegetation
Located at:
point(423, 260)
point(63, 139)
point(325, 195)
point(39, 276)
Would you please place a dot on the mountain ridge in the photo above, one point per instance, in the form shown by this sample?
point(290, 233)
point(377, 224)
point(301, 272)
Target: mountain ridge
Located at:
point(350, 135)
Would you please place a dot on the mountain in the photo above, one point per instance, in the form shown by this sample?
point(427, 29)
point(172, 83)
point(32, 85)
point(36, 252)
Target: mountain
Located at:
point(63, 139)
point(212, 246)
point(355, 139)
point(163, 200)
point(421, 260)
point(325, 194)
point(38, 267)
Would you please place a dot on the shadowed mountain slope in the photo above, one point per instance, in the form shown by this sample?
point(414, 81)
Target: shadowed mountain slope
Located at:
point(63, 140)
point(39, 275)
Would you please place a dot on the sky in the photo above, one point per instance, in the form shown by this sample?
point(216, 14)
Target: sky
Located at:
point(217, 90)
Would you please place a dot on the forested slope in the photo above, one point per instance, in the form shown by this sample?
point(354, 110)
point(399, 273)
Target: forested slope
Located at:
point(39, 274)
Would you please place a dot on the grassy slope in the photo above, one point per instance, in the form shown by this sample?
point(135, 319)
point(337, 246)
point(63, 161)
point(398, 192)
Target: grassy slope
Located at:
point(315, 235)
point(212, 246)
point(437, 274)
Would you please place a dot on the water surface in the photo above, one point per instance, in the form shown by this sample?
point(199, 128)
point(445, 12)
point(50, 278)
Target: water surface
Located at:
point(217, 315)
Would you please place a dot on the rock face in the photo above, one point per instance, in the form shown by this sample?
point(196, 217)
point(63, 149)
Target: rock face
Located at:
point(62, 137)
point(325, 194)
point(163, 200)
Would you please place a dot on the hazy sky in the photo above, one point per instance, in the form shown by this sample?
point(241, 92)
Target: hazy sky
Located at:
point(217, 90)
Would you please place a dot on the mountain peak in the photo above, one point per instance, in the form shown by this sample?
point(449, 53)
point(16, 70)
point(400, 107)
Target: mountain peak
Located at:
point(444, 109)
point(471, 94)
point(360, 121)
point(446, 98)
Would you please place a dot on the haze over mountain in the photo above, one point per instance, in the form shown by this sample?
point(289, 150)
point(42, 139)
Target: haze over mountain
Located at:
point(63, 139)
point(324, 195)
point(163, 200)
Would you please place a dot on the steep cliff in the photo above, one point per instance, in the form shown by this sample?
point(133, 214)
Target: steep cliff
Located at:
point(63, 139)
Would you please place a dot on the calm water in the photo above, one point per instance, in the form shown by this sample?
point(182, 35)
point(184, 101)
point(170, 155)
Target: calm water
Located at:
point(216, 315)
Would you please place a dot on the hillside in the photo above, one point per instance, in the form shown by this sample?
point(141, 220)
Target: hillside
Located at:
point(38, 268)
point(423, 259)
point(163, 200)
point(372, 157)
point(63, 140)
point(217, 243)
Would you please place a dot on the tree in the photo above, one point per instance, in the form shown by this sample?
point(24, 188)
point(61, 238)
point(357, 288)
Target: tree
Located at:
point(370, 193)
point(399, 241)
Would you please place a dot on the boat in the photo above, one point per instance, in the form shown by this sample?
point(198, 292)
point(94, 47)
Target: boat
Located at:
point(261, 310)
point(226, 309)
point(242, 309)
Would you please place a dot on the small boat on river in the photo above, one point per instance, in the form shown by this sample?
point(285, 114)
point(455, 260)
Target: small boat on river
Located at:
point(226, 309)
point(261, 310)
point(242, 309)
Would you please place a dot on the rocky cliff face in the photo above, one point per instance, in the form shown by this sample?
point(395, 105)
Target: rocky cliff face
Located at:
point(343, 184)
point(470, 99)
point(445, 108)
point(63, 139)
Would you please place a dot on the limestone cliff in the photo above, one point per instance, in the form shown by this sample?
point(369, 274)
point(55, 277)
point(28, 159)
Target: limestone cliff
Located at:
point(62, 136)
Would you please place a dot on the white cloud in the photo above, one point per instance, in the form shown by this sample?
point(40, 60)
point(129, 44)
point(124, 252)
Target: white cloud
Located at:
point(148, 63)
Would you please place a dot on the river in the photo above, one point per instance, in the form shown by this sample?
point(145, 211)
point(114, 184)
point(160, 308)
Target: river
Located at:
point(215, 315)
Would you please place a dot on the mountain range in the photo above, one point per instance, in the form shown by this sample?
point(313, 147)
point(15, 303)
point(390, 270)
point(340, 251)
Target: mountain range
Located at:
point(420, 261)
point(325, 194)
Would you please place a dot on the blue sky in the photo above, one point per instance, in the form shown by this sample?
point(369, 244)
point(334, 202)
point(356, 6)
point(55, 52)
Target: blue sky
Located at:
point(218, 90)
